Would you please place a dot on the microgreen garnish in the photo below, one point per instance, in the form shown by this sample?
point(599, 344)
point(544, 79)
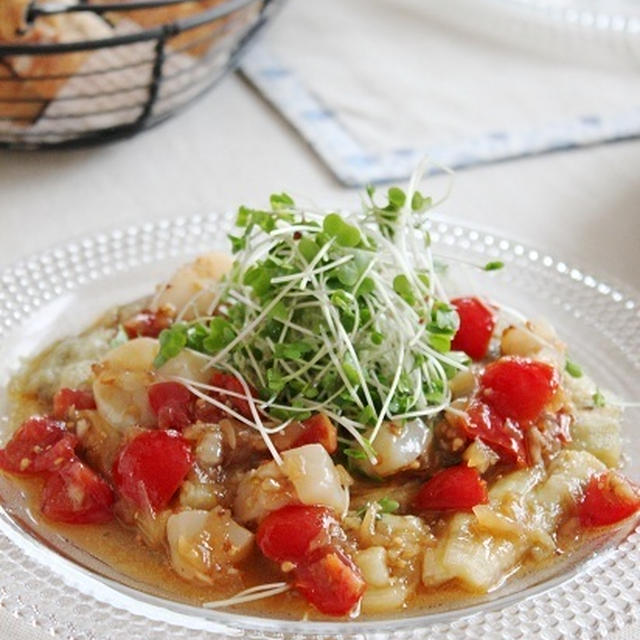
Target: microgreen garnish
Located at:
point(598, 399)
point(573, 369)
point(339, 313)
point(494, 265)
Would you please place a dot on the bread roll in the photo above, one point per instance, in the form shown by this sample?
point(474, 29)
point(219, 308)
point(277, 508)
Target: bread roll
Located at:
point(29, 81)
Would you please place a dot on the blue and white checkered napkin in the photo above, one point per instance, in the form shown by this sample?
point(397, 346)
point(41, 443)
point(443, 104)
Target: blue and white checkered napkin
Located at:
point(374, 86)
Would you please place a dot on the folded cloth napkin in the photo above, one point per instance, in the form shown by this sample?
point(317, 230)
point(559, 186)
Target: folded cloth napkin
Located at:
point(374, 85)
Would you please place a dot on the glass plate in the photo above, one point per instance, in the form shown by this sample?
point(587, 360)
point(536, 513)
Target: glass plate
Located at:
point(67, 593)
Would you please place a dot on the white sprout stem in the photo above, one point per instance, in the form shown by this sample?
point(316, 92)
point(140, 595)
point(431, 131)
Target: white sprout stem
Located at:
point(256, 416)
point(392, 390)
point(249, 595)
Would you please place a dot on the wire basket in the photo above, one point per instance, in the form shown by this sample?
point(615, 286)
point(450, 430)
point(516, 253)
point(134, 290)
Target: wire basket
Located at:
point(94, 70)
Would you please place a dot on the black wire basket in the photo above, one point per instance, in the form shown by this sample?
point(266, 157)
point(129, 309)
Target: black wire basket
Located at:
point(94, 70)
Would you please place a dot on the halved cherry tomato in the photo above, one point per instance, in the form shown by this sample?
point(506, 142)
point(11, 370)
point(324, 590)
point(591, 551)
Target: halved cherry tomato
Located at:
point(477, 322)
point(172, 402)
point(518, 388)
point(147, 323)
point(332, 584)
point(66, 398)
point(503, 435)
point(151, 468)
point(77, 495)
point(231, 383)
point(459, 487)
point(608, 498)
point(40, 445)
point(318, 429)
point(292, 532)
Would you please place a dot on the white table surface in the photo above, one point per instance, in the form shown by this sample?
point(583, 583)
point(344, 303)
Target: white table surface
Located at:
point(231, 148)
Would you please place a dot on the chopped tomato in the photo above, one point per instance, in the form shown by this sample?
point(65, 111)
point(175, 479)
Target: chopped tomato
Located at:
point(503, 435)
point(292, 532)
point(318, 429)
point(309, 537)
point(477, 322)
point(151, 468)
point(231, 383)
point(608, 498)
point(518, 388)
point(332, 584)
point(456, 488)
point(172, 402)
point(77, 495)
point(67, 398)
point(40, 445)
point(147, 323)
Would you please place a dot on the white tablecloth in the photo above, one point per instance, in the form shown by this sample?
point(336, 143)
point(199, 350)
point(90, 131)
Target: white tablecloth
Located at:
point(231, 148)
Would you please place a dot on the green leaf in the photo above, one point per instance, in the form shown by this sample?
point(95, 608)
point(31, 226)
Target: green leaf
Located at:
point(377, 338)
point(573, 369)
point(292, 350)
point(366, 287)
point(403, 288)
point(243, 217)
point(259, 279)
point(494, 266)
point(367, 415)
point(221, 333)
point(281, 201)
point(238, 243)
point(441, 343)
point(172, 342)
point(275, 381)
point(351, 372)
point(332, 224)
point(388, 505)
point(599, 399)
point(195, 336)
point(308, 248)
point(397, 198)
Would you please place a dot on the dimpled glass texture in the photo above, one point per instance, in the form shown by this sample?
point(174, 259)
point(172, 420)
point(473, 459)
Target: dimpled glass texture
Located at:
point(50, 584)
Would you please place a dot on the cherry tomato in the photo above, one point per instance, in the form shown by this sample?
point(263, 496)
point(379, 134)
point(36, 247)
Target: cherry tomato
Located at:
point(66, 398)
point(332, 584)
point(231, 383)
point(40, 445)
point(147, 323)
point(504, 436)
point(151, 468)
point(318, 429)
point(518, 388)
point(172, 403)
point(456, 488)
point(477, 322)
point(292, 532)
point(608, 498)
point(76, 495)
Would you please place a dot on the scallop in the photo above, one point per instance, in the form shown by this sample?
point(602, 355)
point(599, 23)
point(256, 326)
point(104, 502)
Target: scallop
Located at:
point(205, 545)
point(191, 289)
point(397, 447)
point(122, 380)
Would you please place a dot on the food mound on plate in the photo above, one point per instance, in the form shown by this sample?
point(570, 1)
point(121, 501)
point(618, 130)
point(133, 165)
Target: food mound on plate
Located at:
point(315, 419)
